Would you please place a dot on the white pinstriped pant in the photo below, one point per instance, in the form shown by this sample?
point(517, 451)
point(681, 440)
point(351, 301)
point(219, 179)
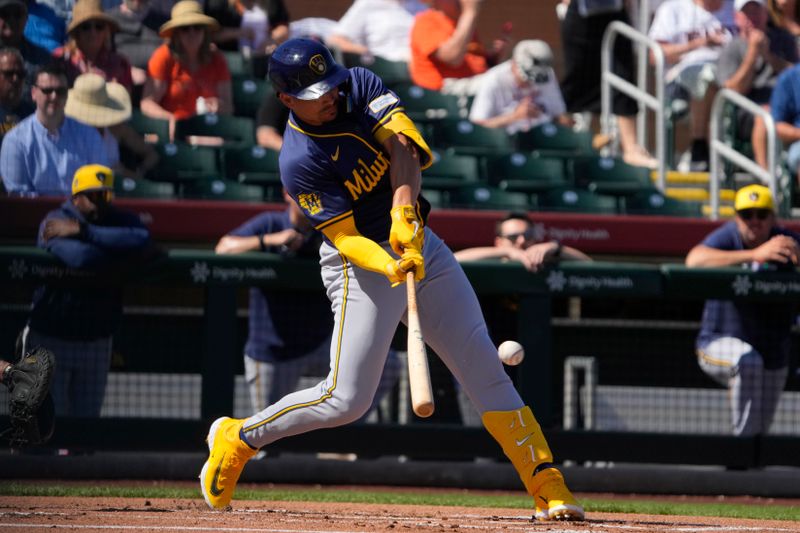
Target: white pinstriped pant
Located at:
point(366, 313)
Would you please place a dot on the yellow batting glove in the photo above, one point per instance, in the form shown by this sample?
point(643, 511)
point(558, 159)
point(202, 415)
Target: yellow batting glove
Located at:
point(406, 231)
point(412, 260)
point(395, 272)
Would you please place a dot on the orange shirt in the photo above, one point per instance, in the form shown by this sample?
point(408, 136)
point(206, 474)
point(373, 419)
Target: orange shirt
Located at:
point(432, 28)
point(183, 87)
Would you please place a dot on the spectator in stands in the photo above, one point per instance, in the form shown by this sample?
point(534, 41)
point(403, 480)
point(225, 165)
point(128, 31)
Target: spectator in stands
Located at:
point(745, 345)
point(107, 107)
point(271, 122)
point(47, 23)
point(77, 323)
point(520, 93)
point(785, 107)
point(188, 75)
point(750, 64)
point(264, 25)
point(691, 38)
point(377, 28)
point(785, 14)
point(515, 241)
point(40, 155)
point(13, 15)
point(137, 37)
point(446, 54)
point(582, 36)
point(88, 48)
point(13, 108)
point(281, 346)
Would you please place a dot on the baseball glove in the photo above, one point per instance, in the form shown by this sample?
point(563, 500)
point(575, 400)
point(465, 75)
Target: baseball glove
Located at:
point(30, 405)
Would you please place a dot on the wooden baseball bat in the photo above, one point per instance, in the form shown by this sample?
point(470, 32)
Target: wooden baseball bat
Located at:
point(419, 376)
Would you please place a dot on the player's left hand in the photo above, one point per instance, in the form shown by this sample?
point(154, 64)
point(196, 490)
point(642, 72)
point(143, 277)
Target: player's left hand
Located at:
point(406, 231)
point(413, 260)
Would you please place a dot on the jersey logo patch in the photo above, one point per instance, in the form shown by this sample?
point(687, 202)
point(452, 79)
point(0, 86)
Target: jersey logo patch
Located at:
point(335, 155)
point(382, 101)
point(310, 202)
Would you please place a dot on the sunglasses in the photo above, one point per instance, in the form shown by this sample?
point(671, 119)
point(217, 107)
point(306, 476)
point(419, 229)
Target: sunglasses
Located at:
point(97, 25)
point(193, 27)
point(8, 74)
point(98, 197)
point(60, 91)
point(749, 214)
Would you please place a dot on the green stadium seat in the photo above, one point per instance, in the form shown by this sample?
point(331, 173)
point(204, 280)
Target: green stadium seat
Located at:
point(248, 94)
point(464, 137)
point(143, 188)
point(654, 202)
point(254, 165)
point(607, 175)
point(576, 200)
point(522, 172)
point(555, 140)
point(391, 72)
point(423, 104)
point(222, 190)
point(450, 170)
point(435, 197)
point(480, 196)
point(150, 127)
point(238, 65)
point(184, 162)
point(232, 129)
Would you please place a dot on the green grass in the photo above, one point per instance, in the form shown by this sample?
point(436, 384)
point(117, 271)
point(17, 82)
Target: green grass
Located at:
point(464, 499)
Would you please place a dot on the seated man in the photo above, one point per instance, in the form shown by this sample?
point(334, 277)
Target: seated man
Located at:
point(785, 107)
point(13, 108)
point(520, 93)
point(750, 65)
point(745, 345)
point(691, 37)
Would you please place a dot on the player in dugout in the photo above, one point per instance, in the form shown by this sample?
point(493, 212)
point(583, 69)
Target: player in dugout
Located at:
point(352, 160)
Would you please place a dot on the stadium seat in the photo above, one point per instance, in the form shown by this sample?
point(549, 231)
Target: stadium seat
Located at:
point(607, 175)
point(222, 190)
point(391, 72)
point(238, 65)
point(464, 137)
point(450, 170)
point(254, 165)
point(248, 93)
point(524, 173)
point(480, 196)
point(233, 130)
point(182, 162)
point(576, 200)
point(653, 202)
point(155, 130)
point(424, 104)
point(555, 140)
point(435, 197)
point(143, 188)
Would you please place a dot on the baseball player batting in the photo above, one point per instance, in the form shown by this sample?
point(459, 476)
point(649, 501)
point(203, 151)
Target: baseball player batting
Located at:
point(352, 159)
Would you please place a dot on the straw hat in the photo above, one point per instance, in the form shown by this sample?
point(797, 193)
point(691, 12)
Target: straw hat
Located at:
point(98, 103)
point(84, 10)
point(187, 13)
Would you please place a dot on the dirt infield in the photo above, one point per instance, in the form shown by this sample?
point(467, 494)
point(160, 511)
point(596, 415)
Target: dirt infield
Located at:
point(138, 514)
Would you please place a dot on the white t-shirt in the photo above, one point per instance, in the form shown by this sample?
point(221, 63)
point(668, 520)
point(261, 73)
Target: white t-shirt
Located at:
point(255, 18)
point(499, 94)
point(678, 22)
point(383, 26)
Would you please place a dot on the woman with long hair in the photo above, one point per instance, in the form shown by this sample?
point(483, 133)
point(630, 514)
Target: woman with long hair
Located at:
point(785, 14)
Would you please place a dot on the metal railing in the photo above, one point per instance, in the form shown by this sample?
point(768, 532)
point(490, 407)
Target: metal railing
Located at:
point(639, 93)
point(720, 149)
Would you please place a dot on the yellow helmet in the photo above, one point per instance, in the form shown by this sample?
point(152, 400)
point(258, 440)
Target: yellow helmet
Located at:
point(92, 178)
point(754, 197)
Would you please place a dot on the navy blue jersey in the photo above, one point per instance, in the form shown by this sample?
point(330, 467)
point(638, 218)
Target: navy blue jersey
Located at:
point(284, 325)
point(764, 325)
point(341, 168)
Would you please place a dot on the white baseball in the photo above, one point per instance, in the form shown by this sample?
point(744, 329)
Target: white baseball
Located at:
point(511, 353)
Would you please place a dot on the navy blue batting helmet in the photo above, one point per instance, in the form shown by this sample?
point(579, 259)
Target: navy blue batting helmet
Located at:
point(305, 69)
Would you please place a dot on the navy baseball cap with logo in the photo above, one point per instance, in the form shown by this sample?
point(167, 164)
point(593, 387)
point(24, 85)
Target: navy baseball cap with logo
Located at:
point(305, 69)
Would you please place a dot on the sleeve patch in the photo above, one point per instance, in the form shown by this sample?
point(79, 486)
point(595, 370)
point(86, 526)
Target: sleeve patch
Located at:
point(382, 102)
point(310, 202)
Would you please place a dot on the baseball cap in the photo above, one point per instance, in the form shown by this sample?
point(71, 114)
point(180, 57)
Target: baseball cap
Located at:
point(754, 197)
point(738, 5)
point(534, 58)
point(92, 178)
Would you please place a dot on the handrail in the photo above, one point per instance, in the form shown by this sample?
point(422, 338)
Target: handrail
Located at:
point(719, 148)
point(638, 93)
point(643, 25)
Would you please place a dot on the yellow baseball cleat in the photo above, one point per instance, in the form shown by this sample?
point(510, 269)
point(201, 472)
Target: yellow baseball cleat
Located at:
point(553, 499)
point(226, 459)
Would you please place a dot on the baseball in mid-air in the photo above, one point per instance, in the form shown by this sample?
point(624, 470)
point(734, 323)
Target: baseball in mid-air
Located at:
point(511, 353)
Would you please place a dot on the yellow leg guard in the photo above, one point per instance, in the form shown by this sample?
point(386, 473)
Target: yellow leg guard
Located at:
point(522, 441)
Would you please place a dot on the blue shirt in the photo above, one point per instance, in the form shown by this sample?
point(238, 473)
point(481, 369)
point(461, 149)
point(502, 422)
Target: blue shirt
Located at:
point(785, 100)
point(764, 325)
point(339, 167)
point(107, 247)
point(35, 163)
point(284, 325)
